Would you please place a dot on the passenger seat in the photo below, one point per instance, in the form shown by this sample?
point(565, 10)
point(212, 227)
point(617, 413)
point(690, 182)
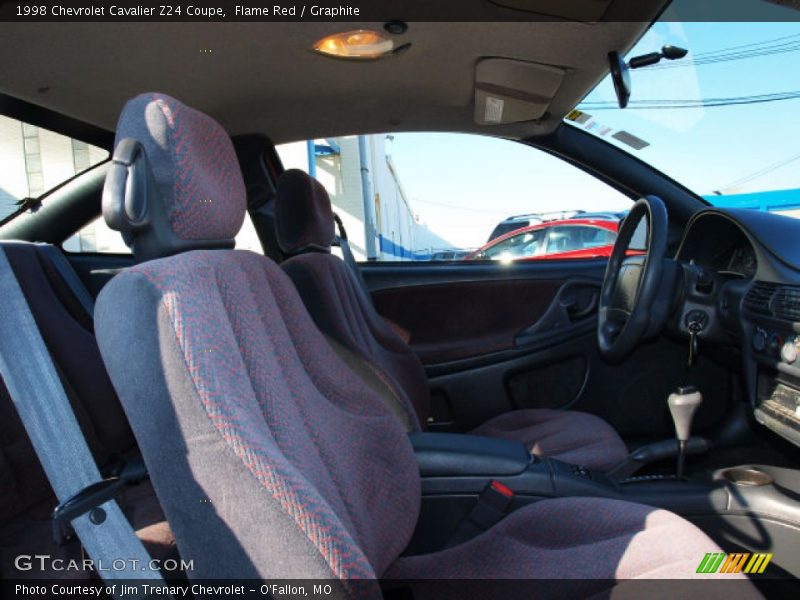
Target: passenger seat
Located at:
point(62, 309)
point(344, 313)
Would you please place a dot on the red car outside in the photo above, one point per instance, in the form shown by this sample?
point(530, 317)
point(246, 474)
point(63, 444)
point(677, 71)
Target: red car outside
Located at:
point(553, 240)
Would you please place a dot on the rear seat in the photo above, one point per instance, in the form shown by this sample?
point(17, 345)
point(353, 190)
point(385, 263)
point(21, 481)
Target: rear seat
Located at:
point(62, 313)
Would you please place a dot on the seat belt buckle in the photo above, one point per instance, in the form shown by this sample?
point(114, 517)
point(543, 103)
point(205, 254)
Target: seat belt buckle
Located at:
point(495, 488)
point(492, 506)
point(88, 500)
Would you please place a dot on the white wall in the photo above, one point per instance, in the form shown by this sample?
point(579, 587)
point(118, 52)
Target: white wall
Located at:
point(13, 178)
point(341, 176)
point(389, 209)
point(51, 159)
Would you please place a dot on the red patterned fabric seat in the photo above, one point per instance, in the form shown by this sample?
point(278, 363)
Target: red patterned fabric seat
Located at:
point(341, 309)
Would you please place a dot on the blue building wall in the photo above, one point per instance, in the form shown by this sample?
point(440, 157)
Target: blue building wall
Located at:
point(773, 201)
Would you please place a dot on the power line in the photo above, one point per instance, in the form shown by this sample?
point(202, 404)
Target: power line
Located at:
point(733, 53)
point(709, 100)
point(462, 208)
point(729, 58)
point(750, 45)
point(760, 173)
point(667, 104)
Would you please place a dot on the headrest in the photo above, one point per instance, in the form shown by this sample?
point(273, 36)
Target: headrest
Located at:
point(175, 183)
point(303, 214)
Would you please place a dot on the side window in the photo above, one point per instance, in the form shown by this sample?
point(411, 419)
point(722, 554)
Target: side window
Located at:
point(456, 197)
point(571, 238)
point(98, 238)
point(530, 243)
point(34, 160)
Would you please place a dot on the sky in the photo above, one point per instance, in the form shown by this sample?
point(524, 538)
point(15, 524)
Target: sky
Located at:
point(462, 186)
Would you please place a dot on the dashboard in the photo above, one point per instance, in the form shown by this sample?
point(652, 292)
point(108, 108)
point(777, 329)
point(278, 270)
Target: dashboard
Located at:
point(719, 244)
point(742, 261)
point(742, 283)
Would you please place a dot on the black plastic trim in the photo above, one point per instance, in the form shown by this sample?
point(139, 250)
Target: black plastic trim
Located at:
point(69, 207)
point(54, 121)
point(394, 275)
point(461, 455)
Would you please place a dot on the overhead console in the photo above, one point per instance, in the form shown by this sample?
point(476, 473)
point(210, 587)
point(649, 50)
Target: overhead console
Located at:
point(772, 322)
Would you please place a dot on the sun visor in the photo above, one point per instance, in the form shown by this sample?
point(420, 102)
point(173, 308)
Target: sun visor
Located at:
point(513, 91)
point(574, 10)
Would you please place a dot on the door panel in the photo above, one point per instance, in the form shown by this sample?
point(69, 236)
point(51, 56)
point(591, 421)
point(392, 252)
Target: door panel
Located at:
point(497, 338)
point(466, 319)
point(486, 390)
point(486, 331)
point(631, 396)
point(471, 310)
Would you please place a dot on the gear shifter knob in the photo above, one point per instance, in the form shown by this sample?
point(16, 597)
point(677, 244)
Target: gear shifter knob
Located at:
point(682, 405)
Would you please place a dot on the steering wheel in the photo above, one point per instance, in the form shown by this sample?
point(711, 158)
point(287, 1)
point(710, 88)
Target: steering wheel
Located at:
point(632, 281)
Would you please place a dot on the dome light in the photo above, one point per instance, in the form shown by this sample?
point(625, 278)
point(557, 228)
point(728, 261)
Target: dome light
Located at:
point(359, 45)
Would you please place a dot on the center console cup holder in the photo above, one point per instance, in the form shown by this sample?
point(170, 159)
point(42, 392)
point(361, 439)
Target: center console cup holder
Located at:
point(747, 477)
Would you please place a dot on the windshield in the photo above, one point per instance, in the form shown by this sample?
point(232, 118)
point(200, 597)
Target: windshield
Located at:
point(725, 120)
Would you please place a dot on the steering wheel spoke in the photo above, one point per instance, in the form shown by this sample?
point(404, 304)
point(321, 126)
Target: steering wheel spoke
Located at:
point(632, 280)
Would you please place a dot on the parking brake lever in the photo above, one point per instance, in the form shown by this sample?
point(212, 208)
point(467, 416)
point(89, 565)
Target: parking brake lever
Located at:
point(654, 453)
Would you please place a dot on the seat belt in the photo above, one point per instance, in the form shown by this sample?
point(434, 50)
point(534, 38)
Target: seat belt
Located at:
point(349, 259)
point(61, 264)
point(41, 402)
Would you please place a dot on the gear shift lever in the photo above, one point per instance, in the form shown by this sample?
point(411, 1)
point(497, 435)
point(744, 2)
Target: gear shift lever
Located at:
point(682, 405)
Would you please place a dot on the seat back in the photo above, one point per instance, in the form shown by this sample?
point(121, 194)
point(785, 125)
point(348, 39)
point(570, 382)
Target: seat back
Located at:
point(333, 296)
point(270, 457)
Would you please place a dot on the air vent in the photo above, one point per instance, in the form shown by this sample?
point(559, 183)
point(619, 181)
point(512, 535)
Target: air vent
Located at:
point(759, 297)
point(786, 304)
point(773, 300)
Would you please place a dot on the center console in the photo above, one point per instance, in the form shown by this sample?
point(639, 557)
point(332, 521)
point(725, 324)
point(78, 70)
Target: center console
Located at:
point(460, 464)
point(772, 327)
point(464, 465)
point(746, 507)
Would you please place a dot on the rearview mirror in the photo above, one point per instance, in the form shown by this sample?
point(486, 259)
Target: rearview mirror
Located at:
point(621, 76)
point(621, 71)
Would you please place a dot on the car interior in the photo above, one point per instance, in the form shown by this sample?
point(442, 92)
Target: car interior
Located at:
point(390, 426)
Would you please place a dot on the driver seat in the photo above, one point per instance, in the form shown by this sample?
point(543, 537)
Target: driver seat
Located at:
point(343, 312)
